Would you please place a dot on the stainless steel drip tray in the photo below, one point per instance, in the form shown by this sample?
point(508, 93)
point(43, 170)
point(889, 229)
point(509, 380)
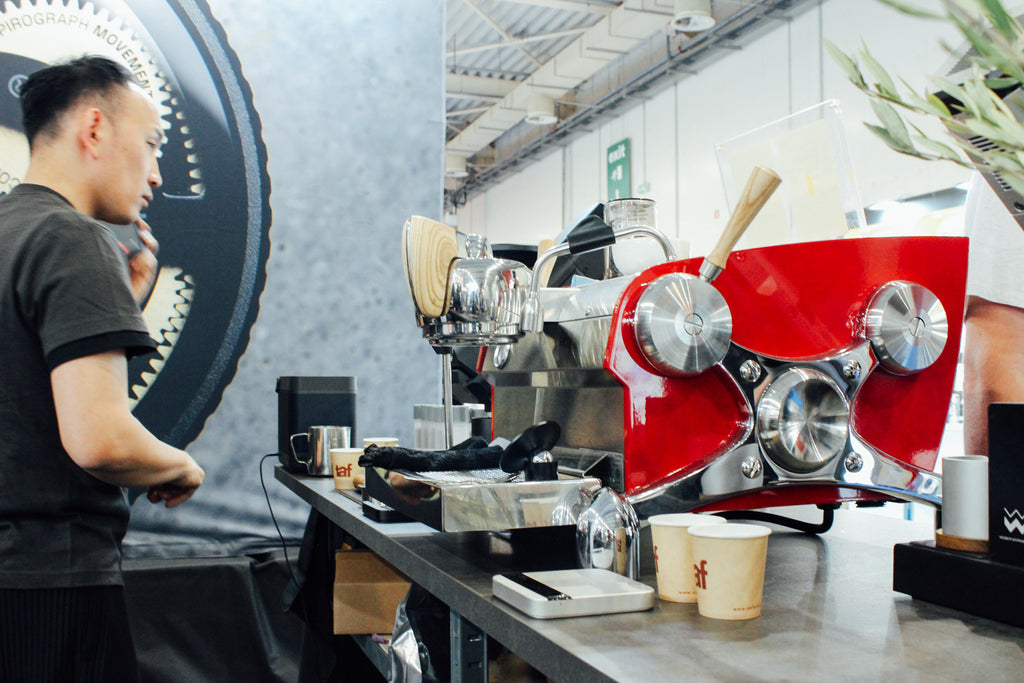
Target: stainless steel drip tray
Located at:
point(481, 500)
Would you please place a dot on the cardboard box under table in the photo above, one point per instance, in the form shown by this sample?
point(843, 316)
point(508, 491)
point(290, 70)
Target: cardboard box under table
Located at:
point(367, 592)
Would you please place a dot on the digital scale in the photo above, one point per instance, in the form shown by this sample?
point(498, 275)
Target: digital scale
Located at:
point(572, 593)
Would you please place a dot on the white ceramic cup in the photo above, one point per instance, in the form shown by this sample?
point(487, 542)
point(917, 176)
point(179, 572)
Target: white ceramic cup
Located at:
point(728, 566)
point(965, 496)
point(673, 563)
point(345, 468)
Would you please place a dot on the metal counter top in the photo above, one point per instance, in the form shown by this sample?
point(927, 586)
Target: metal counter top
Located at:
point(829, 610)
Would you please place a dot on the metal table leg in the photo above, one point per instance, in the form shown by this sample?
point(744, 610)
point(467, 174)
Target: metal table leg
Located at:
point(469, 651)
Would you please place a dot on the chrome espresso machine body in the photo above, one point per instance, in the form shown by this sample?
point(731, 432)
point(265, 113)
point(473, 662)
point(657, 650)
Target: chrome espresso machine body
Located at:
point(810, 373)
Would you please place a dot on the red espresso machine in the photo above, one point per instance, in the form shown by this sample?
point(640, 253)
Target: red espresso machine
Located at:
point(832, 385)
point(811, 373)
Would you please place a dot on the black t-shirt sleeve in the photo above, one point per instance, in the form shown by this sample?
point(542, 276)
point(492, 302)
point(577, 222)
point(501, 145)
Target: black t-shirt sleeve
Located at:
point(133, 343)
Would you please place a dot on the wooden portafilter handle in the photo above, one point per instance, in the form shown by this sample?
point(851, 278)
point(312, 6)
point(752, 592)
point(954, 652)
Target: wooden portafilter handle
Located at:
point(760, 186)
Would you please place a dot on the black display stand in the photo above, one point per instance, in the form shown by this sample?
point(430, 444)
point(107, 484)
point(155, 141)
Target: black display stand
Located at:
point(969, 582)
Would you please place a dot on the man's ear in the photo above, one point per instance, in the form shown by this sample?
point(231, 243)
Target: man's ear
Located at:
point(89, 129)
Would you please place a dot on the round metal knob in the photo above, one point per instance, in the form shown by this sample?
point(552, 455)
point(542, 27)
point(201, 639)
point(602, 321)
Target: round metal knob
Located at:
point(683, 324)
point(803, 420)
point(907, 327)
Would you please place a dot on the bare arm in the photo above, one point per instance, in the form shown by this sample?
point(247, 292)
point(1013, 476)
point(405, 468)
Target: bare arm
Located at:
point(102, 436)
point(993, 366)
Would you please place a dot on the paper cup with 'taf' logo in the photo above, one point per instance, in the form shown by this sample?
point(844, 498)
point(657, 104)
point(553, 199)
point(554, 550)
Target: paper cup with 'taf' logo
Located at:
point(346, 469)
point(728, 569)
point(673, 563)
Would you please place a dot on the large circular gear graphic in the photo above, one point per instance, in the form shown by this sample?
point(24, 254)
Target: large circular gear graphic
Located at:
point(212, 214)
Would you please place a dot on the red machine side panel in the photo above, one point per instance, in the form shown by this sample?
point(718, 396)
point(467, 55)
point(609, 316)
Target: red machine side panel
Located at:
point(791, 302)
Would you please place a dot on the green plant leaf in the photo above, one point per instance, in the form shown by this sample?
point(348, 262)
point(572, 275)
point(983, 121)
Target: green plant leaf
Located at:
point(885, 83)
point(956, 92)
point(899, 146)
point(912, 10)
point(1000, 83)
point(994, 133)
point(893, 122)
point(999, 17)
point(939, 149)
point(847, 64)
point(940, 108)
point(911, 101)
point(974, 112)
point(978, 40)
point(923, 104)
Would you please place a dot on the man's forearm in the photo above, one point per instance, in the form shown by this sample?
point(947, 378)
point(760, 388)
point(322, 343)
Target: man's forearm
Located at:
point(138, 459)
point(100, 433)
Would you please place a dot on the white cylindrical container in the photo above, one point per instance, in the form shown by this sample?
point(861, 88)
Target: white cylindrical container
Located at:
point(965, 496)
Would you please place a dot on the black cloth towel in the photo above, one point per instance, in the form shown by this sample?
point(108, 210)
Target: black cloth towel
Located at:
point(471, 454)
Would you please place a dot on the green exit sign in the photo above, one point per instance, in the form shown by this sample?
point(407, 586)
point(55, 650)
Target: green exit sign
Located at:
point(618, 170)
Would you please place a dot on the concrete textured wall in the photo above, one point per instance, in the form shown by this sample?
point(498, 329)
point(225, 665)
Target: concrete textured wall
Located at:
point(351, 100)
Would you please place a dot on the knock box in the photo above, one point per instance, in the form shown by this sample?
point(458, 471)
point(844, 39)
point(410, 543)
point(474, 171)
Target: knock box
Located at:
point(303, 402)
point(1006, 482)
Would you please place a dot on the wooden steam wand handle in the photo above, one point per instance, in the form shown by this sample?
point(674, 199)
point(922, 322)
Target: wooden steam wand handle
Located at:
point(760, 186)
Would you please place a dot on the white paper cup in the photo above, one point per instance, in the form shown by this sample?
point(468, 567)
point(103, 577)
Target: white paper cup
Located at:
point(965, 496)
point(345, 468)
point(382, 441)
point(728, 566)
point(672, 560)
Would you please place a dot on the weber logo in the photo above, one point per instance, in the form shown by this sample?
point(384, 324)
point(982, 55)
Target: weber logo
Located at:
point(1013, 520)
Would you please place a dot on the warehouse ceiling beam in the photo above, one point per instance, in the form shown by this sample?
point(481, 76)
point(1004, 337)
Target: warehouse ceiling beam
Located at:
point(514, 42)
point(502, 32)
point(477, 86)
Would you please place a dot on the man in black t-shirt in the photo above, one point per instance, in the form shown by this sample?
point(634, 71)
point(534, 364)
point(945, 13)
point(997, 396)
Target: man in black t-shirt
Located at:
point(69, 320)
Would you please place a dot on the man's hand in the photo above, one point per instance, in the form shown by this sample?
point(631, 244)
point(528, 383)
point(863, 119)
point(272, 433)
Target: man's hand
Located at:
point(178, 491)
point(143, 266)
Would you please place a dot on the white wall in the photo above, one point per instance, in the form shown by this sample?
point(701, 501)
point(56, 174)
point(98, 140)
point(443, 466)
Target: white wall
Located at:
point(673, 134)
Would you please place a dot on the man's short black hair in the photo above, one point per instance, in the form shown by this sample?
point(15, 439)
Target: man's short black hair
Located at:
point(48, 93)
